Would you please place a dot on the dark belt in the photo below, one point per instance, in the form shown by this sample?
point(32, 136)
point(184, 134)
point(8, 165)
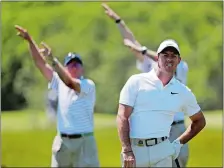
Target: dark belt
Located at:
point(178, 122)
point(75, 136)
point(148, 142)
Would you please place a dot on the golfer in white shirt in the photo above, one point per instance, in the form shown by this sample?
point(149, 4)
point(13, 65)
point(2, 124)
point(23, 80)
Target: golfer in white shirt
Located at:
point(147, 105)
point(146, 61)
point(74, 145)
point(51, 104)
point(178, 127)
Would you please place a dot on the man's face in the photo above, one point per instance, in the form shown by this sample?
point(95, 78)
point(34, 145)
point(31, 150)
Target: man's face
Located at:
point(75, 68)
point(169, 59)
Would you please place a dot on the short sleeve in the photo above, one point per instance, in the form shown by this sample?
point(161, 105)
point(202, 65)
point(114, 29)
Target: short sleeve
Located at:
point(181, 72)
point(185, 66)
point(128, 93)
point(191, 106)
point(54, 82)
point(52, 95)
point(147, 65)
point(87, 86)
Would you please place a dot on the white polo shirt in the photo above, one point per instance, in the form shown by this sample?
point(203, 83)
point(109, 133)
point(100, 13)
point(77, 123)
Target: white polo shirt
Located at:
point(181, 74)
point(154, 106)
point(75, 111)
point(52, 94)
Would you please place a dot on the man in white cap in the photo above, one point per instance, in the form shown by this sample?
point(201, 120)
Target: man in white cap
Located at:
point(146, 61)
point(74, 145)
point(148, 102)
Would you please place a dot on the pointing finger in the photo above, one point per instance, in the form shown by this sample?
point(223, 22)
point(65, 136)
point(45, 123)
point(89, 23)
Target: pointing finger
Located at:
point(45, 45)
point(19, 28)
point(105, 6)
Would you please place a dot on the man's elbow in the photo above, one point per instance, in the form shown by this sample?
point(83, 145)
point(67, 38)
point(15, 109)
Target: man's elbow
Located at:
point(203, 122)
point(118, 118)
point(198, 120)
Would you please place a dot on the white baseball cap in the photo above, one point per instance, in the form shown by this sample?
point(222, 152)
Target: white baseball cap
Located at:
point(168, 43)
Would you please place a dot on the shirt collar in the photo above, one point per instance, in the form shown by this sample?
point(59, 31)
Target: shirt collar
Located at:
point(173, 80)
point(154, 77)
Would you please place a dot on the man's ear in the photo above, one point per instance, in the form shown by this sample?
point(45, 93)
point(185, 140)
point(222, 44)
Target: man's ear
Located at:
point(157, 57)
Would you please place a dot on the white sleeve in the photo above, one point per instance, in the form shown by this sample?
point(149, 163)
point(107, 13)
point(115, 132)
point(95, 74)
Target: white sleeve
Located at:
point(147, 65)
point(185, 66)
point(129, 92)
point(87, 86)
point(186, 72)
point(181, 72)
point(191, 106)
point(54, 82)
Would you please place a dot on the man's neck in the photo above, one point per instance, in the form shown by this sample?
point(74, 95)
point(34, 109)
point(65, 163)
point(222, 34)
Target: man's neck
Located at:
point(165, 77)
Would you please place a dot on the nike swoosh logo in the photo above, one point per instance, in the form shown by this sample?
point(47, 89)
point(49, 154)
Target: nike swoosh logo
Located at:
point(173, 93)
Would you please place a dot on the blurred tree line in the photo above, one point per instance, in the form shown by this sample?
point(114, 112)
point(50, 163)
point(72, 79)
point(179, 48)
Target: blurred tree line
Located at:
point(84, 28)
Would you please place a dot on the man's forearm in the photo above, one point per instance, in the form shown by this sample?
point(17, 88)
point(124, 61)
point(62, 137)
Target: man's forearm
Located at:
point(126, 32)
point(62, 73)
point(123, 131)
point(65, 76)
point(192, 131)
point(40, 61)
point(151, 54)
point(34, 50)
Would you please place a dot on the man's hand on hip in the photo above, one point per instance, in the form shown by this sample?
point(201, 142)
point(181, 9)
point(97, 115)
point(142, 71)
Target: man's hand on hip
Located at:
point(177, 146)
point(128, 159)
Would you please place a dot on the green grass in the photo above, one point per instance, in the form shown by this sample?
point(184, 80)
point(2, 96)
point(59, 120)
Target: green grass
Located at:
point(27, 139)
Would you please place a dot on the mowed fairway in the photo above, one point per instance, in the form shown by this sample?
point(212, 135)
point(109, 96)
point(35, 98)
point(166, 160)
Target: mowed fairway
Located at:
point(27, 138)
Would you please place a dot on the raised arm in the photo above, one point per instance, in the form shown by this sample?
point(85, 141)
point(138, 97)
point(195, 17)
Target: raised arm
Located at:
point(124, 30)
point(127, 35)
point(39, 60)
point(141, 50)
point(64, 75)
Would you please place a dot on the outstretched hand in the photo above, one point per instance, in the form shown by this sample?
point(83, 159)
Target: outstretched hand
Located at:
point(110, 12)
point(45, 50)
point(23, 33)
